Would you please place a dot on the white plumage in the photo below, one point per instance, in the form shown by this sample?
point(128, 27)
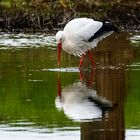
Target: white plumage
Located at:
point(82, 34)
point(76, 102)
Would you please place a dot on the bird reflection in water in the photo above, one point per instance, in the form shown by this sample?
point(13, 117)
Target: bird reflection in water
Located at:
point(80, 101)
point(100, 111)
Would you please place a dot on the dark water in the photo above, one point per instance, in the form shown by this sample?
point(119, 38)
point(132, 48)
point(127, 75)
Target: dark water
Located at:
point(39, 101)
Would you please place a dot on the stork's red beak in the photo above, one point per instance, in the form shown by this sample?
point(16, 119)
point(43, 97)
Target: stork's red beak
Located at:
point(59, 52)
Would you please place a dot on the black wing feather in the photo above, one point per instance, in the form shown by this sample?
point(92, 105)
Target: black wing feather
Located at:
point(106, 27)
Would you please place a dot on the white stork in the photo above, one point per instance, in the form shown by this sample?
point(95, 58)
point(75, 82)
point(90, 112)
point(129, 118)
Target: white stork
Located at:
point(82, 34)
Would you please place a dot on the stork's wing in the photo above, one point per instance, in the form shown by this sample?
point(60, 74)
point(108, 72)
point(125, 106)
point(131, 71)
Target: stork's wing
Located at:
point(76, 24)
point(85, 33)
point(89, 30)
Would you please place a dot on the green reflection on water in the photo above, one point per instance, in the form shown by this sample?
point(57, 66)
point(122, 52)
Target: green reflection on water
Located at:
point(27, 92)
point(132, 107)
point(133, 99)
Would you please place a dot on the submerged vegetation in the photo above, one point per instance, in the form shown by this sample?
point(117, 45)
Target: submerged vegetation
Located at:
point(50, 15)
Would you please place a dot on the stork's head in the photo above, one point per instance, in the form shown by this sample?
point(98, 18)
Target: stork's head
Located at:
point(59, 37)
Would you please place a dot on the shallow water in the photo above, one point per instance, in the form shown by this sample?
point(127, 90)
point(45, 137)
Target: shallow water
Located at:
point(39, 101)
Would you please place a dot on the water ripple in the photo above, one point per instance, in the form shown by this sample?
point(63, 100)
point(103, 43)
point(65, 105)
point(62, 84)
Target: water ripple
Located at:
point(135, 40)
point(8, 41)
point(71, 69)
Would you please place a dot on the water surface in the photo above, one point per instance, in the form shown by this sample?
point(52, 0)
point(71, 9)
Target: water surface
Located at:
point(39, 101)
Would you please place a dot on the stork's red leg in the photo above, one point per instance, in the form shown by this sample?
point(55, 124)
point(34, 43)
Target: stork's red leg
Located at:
point(91, 58)
point(81, 75)
point(90, 81)
point(81, 61)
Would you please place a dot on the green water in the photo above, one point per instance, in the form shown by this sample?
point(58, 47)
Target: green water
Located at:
point(29, 88)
